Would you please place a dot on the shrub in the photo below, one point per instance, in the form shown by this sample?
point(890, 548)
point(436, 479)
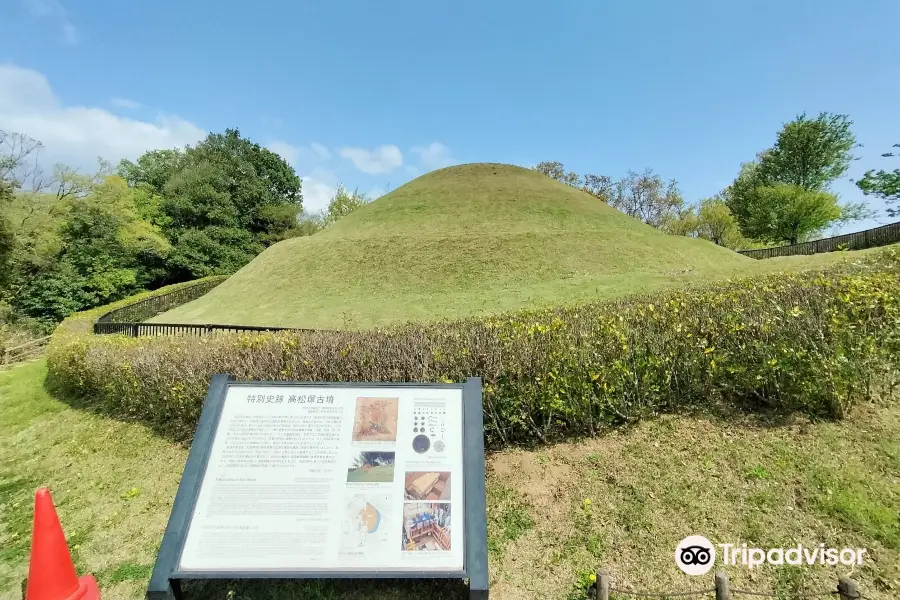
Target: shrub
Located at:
point(816, 342)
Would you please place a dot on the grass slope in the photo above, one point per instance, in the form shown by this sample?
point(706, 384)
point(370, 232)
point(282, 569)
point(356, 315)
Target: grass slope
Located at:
point(469, 239)
point(763, 483)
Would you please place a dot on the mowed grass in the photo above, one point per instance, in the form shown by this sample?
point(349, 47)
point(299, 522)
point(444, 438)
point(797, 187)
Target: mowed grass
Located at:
point(465, 240)
point(735, 480)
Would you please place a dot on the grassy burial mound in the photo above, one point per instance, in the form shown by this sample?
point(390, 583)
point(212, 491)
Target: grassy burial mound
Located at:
point(470, 239)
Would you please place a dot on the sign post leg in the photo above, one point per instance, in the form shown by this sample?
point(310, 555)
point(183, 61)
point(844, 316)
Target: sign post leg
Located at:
point(476, 493)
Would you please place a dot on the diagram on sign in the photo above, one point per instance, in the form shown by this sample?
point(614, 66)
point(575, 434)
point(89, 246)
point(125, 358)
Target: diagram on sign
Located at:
point(429, 427)
point(363, 526)
point(375, 420)
point(426, 527)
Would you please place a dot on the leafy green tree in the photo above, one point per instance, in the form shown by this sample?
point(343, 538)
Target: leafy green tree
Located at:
point(342, 203)
point(716, 223)
point(810, 153)
point(102, 250)
point(219, 202)
point(280, 222)
point(555, 170)
point(7, 238)
point(683, 222)
point(153, 169)
point(789, 213)
point(253, 176)
point(883, 184)
point(212, 250)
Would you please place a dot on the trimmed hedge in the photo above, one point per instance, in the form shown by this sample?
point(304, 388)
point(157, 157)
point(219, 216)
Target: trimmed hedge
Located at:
point(815, 341)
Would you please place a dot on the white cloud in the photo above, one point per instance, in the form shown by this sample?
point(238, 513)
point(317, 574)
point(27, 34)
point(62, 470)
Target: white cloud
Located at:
point(435, 156)
point(125, 103)
point(318, 189)
point(321, 150)
point(287, 151)
point(383, 159)
point(77, 135)
point(53, 10)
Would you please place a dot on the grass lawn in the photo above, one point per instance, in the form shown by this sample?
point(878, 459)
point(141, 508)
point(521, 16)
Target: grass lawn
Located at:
point(470, 239)
point(379, 473)
point(735, 480)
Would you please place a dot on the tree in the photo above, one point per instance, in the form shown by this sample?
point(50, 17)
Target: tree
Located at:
point(789, 213)
point(683, 222)
point(599, 186)
point(716, 223)
point(343, 203)
point(7, 238)
point(153, 169)
point(219, 202)
point(254, 176)
point(555, 170)
point(810, 153)
point(102, 251)
point(647, 197)
point(212, 250)
point(883, 184)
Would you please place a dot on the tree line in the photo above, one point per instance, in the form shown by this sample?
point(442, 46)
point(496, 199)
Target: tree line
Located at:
point(71, 241)
point(782, 196)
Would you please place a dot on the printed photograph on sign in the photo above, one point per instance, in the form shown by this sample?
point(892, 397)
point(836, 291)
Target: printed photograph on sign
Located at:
point(421, 485)
point(375, 420)
point(426, 527)
point(371, 467)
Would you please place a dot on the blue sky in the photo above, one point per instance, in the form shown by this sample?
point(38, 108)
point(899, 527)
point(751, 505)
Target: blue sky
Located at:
point(372, 94)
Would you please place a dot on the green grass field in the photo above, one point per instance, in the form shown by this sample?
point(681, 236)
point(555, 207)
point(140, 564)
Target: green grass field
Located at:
point(734, 479)
point(379, 473)
point(471, 239)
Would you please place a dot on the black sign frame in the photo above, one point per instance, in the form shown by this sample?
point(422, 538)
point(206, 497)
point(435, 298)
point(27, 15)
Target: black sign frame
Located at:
point(165, 581)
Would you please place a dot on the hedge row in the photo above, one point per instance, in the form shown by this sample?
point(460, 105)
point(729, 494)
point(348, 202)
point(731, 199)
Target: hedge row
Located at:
point(816, 342)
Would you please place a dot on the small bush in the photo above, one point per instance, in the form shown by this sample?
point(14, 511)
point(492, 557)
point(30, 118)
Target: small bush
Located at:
point(815, 342)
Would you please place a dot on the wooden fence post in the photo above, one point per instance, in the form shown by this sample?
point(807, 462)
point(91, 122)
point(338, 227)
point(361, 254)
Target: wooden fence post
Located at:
point(847, 589)
point(602, 585)
point(722, 591)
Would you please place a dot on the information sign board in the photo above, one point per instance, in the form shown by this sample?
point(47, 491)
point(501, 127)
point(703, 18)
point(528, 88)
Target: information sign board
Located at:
point(313, 480)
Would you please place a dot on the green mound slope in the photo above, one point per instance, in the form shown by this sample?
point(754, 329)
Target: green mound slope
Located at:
point(471, 239)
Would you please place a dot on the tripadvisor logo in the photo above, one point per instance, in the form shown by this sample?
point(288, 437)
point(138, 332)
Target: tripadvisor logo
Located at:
point(696, 555)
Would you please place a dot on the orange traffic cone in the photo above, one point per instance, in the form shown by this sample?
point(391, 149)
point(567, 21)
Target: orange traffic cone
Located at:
point(51, 572)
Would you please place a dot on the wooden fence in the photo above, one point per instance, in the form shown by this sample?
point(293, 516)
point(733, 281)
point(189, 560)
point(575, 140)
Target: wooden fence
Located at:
point(23, 352)
point(846, 589)
point(870, 238)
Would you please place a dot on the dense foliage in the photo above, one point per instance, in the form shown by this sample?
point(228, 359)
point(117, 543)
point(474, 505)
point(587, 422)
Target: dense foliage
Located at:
point(816, 342)
point(883, 184)
point(783, 196)
point(71, 241)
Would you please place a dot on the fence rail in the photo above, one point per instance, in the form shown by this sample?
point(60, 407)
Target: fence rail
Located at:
point(870, 238)
point(182, 329)
point(23, 352)
point(846, 589)
point(129, 320)
point(144, 309)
